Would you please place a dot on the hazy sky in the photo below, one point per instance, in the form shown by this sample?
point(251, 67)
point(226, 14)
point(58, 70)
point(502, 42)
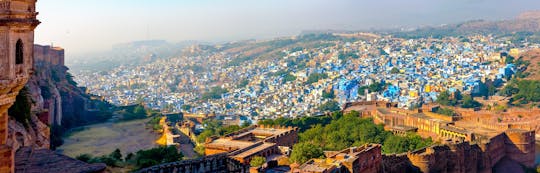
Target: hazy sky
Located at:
point(89, 25)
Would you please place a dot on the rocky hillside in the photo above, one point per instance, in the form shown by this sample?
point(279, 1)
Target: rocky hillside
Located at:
point(525, 24)
point(533, 59)
point(51, 99)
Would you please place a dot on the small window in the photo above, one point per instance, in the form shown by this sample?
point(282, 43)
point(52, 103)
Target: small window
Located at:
point(19, 52)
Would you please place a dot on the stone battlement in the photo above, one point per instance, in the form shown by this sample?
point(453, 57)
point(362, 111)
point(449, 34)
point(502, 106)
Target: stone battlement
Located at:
point(516, 145)
point(44, 55)
point(219, 163)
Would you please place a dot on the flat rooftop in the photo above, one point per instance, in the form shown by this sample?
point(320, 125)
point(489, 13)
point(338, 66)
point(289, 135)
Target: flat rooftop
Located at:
point(317, 165)
point(268, 131)
point(224, 142)
point(254, 150)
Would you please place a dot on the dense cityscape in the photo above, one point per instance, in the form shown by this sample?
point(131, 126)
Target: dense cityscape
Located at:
point(242, 86)
point(297, 81)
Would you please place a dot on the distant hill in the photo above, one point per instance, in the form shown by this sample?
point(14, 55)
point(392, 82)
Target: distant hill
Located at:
point(132, 53)
point(532, 56)
point(527, 23)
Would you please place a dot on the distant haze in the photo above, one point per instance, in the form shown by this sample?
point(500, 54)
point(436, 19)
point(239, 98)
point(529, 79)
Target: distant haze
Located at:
point(83, 26)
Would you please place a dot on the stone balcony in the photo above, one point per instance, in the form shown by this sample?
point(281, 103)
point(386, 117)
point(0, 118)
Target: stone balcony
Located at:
point(17, 9)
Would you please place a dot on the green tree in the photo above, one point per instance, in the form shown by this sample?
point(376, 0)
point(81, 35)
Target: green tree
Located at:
point(394, 70)
point(330, 106)
point(328, 95)
point(458, 95)
point(288, 77)
point(400, 144)
point(139, 110)
point(315, 77)
point(446, 111)
point(186, 107)
point(129, 156)
point(302, 152)
point(20, 110)
point(155, 156)
point(116, 154)
point(349, 130)
point(246, 124)
point(257, 161)
point(469, 102)
point(445, 99)
point(84, 157)
point(214, 93)
point(243, 83)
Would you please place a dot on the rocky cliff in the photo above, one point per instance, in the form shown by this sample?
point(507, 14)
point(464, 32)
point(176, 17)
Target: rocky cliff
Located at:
point(56, 103)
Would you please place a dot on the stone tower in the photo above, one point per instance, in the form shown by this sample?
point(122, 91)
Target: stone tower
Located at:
point(17, 24)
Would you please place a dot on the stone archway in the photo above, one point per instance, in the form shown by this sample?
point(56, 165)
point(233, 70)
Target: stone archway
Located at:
point(19, 52)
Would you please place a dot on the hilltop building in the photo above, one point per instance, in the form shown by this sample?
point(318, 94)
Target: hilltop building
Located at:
point(473, 145)
point(253, 141)
point(365, 159)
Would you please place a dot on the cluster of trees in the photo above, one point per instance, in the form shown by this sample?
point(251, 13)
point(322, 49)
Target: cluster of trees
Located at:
point(20, 110)
point(239, 60)
point(315, 77)
point(394, 70)
point(214, 93)
point(446, 111)
point(343, 56)
point(285, 74)
point(288, 77)
point(132, 112)
point(186, 107)
point(375, 87)
point(154, 123)
point(302, 123)
point(445, 98)
point(243, 83)
point(349, 130)
point(302, 152)
point(328, 95)
point(257, 161)
point(522, 91)
point(215, 128)
point(141, 159)
point(400, 144)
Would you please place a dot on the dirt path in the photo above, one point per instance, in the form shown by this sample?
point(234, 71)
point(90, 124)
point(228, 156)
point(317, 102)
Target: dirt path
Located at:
point(188, 148)
point(101, 139)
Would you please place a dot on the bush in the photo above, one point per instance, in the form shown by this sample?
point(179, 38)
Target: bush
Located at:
point(21, 108)
point(257, 161)
point(155, 156)
point(214, 93)
point(302, 152)
point(328, 95)
point(446, 111)
point(84, 157)
point(116, 154)
point(315, 77)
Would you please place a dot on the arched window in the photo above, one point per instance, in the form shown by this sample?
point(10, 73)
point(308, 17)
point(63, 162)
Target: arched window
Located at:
point(19, 52)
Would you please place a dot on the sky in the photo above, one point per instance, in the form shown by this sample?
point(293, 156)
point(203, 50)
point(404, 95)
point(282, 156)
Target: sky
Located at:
point(84, 26)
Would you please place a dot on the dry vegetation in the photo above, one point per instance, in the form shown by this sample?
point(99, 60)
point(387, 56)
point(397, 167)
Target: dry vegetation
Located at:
point(533, 56)
point(102, 139)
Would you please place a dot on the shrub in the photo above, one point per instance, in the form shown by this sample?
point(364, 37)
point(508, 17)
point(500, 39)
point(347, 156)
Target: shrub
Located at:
point(257, 161)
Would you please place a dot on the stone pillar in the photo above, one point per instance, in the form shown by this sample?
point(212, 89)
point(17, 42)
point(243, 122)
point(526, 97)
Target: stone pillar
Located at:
point(6, 153)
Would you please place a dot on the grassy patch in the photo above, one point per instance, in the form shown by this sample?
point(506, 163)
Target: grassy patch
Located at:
point(101, 139)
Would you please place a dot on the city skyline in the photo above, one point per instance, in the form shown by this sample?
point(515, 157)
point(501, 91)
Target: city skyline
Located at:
point(87, 26)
